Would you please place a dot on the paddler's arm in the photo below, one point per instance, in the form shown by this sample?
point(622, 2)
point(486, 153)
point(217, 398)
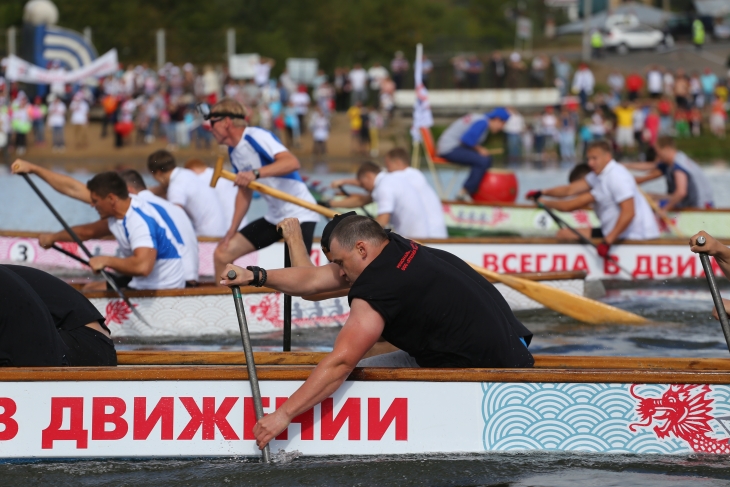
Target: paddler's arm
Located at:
point(574, 188)
point(284, 163)
point(63, 184)
point(352, 201)
point(714, 249)
point(572, 204)
point(680, 191)
point(361, 331)
point(650, 176)
point(295, 281)
point(242, 203)
point(626, 208)
point(140, 263)
point(383, 219)
point(292, 233)
point(98, 229)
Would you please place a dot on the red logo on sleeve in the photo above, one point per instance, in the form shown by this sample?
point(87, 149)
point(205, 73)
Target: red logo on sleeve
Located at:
point(407, 257)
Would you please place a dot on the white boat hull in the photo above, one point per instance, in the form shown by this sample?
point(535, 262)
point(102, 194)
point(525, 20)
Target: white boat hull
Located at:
point(169, 418)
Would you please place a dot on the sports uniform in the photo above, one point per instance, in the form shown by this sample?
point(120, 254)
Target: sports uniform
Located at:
point(143, 227)
point(186, 238)
point(199, 201)
point(256, 149)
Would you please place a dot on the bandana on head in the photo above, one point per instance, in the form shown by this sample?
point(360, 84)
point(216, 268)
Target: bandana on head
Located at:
point(330, 227)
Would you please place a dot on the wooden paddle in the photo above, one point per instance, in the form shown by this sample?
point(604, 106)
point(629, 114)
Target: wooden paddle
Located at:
point(657, 211)
point(577, 307)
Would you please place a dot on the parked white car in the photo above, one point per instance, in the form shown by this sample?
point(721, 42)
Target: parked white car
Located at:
point(625, 37)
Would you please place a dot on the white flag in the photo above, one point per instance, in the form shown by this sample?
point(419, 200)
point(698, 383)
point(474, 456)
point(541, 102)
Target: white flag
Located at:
point(19, 70)
point(422, 116)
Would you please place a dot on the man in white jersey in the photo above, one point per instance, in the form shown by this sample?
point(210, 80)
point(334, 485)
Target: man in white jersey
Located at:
point(175, 217)
point(225, 190)
point(257, 155)
point(402, 203)
point(150, 257)
point(187, 190)
point(403, 196)
point(611, 189)
point(177, 220)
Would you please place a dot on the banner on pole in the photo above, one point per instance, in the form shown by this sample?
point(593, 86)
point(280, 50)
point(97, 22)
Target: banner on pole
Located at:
point(20, 70)
point(422, 116)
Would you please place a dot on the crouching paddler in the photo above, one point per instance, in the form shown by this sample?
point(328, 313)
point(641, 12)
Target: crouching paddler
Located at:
point(427, 302)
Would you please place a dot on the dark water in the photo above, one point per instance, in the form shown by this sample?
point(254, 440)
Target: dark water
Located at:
point(682, 328)
point(506, 469)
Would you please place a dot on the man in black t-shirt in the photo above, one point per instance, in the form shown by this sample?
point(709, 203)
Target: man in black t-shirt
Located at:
point(428, 303)
point(78, 323)
point(28, 337)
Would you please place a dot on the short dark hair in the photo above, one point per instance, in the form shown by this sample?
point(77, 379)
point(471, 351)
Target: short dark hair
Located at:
point(579, 172)
point(161, 160)
point(665, 141)
point(106, 183)
point(602, 144)
point(357, 227)
point(398, 153)
point(367, 167)
point(133, 179)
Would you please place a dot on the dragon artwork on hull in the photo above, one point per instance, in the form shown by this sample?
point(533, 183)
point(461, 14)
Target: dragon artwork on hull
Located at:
point(686, 412)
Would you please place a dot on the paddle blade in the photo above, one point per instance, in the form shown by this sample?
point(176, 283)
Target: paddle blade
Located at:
point(569, 304)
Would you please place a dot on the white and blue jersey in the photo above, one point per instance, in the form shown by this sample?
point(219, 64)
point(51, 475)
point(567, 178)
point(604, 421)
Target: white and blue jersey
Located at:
point(144, 227)
point(256, 149)
point(182, 229)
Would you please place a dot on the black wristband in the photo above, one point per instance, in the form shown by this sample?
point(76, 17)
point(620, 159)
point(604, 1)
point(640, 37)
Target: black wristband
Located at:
point(259, 275)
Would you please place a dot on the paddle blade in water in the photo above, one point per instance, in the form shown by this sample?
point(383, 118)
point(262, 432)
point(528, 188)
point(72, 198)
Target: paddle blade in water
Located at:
point(569, 304)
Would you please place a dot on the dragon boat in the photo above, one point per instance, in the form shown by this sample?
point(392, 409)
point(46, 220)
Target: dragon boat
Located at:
point(651, 259)
point(166, 404)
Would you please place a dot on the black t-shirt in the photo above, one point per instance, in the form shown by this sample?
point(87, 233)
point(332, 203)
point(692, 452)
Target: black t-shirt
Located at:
point(68, 307)
point(28, 337)
point(439, 310)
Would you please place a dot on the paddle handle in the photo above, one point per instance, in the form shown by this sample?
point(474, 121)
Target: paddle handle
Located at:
point(262, 188)
point(655, 208)
point(250, 365)
point(715, 291)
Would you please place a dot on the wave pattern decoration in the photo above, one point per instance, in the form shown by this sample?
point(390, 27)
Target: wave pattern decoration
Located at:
point(586, 417)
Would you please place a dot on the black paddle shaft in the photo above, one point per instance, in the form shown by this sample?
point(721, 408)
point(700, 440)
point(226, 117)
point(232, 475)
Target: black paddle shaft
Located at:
point(250, 365)
point(78, 241)
point(715, 291)
point(287, 306)
point(563, 224)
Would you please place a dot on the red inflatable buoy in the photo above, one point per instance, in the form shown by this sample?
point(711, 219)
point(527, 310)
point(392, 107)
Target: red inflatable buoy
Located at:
point(497, 186)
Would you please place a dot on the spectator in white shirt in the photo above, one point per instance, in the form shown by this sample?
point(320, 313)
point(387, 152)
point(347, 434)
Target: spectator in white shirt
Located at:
point(377, 73)
point(358, 81)
point(80, 120)
point(262, 71)
point(583, 84)
point(654, 82)
point(57, 120)
point(187, 190)
point(319, 124)
point(301, 101)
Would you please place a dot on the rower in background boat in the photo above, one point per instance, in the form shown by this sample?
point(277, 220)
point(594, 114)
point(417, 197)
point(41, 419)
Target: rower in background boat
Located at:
point(178, 221)
point(77, 321)
point(224, 189)
point(687, 185)
point(186, 190)
point(257, 154)
point(425, 301)
point(147, 242)
point(622, 210)
point(404, 198)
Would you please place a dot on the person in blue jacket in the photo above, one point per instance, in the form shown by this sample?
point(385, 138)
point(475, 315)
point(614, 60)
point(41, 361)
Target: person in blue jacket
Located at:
point(461, 143)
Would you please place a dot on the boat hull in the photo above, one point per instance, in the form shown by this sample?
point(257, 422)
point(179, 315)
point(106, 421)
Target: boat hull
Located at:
point(195, 315)
point(655, 259)
point(173, 412)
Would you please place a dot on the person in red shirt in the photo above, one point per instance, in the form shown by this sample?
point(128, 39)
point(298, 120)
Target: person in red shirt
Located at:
point(634, 83)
